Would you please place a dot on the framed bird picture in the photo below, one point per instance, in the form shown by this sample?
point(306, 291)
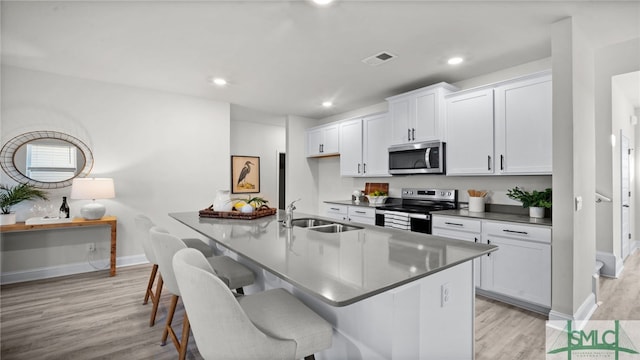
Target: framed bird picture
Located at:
point(245, 174)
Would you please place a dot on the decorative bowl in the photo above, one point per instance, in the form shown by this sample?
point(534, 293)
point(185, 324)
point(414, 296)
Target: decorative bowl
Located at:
point(376, 200)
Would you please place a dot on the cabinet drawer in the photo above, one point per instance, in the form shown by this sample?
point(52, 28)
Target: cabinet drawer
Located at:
point(362, 211)
point(516, 231)
point(337, 209)
point(456, 223)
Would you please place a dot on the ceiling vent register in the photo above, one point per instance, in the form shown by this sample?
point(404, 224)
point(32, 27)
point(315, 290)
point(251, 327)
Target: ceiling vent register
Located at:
point(379, 58)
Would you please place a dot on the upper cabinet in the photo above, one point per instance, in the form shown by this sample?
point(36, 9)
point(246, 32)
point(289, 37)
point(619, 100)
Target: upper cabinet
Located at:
point(363, 146)
point(501, 129)
point(323, 140)
point(419, 115)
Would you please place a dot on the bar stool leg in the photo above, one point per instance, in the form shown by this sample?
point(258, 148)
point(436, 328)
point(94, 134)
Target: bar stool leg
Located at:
point(152, 278)
point(156, 300)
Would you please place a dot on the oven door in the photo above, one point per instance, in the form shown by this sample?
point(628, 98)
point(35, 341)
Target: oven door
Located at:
point(418, 158)
point(421, 223)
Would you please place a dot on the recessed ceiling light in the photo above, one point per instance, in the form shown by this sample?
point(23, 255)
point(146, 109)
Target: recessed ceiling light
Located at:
point(219, 81)
point(323, 2)
point(455, 60)
point(327, 104)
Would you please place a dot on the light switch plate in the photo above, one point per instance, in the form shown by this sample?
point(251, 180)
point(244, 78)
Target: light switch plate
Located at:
point(578, 203)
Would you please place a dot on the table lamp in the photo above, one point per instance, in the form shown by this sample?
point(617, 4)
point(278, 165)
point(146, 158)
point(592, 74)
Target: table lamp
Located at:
point(92, 189)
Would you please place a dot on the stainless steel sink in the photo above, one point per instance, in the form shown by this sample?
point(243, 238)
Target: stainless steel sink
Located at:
point(334, 228)
point(310, 222)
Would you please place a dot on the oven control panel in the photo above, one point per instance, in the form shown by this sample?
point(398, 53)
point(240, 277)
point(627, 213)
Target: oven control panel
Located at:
point(429, 194)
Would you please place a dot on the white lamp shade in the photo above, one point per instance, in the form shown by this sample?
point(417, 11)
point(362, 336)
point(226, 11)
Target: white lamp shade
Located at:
point(92, 188)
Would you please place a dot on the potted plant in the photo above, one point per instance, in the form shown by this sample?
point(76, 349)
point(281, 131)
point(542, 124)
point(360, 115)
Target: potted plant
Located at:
point(12, 195)
point(535, 200)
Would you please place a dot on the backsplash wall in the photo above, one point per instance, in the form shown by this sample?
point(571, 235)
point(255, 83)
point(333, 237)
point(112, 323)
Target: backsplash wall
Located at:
point(331, 186)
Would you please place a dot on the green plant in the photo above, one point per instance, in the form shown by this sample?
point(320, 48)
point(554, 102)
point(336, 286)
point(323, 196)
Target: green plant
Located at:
point(255, 201)
point(531, 199)
point(12, 195)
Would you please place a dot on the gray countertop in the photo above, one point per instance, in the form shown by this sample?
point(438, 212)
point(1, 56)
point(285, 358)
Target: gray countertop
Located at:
point(339, 268)
point(497, 216)
point(361, 203)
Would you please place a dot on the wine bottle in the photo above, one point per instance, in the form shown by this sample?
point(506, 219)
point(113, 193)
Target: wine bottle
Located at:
point(64, 208)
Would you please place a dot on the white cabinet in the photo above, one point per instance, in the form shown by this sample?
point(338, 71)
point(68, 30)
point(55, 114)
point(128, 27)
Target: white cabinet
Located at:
point(521, 268)
point(323, 140)
point(363, 146)
point(470, 133)
point(338, 212)
point(358, 214)
point(419, 115)
point(501, 129)
point(461, 229)
point(523, 117)
point(362, 215)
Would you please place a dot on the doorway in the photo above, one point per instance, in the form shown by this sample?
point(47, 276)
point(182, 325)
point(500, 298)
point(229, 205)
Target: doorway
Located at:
point(625, 196)
point(282, 159)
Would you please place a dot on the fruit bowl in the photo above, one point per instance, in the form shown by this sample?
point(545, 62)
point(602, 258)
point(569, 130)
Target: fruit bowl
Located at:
point(376, 200)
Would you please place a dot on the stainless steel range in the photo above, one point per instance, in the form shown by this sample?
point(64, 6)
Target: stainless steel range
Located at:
point(414, 213)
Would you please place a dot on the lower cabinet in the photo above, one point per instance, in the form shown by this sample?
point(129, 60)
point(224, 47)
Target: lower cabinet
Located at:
point(519, 270)
point(461, 229)
point(357, 214)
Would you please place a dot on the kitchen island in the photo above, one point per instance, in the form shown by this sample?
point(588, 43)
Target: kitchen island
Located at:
point(389, 294)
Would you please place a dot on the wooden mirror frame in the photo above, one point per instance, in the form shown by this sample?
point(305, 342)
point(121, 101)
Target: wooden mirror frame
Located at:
point(9, 149)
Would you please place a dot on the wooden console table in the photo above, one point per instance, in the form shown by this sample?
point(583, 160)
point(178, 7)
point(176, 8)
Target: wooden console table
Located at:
point(76, 222)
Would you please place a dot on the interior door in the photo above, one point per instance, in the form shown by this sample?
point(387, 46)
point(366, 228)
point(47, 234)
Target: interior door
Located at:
point(625, 180)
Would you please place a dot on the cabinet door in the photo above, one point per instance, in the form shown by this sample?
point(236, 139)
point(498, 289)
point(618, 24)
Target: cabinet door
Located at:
point(376, 138)
point(351, 148)
point(470, 133)
point(523, 116)
point(331, 141)
point(401, 123)
point(519, 269)
point(362, 215)
point(426, 122)
point(314, 140)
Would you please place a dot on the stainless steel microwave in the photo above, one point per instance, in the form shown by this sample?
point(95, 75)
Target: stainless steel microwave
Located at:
point(417, 158)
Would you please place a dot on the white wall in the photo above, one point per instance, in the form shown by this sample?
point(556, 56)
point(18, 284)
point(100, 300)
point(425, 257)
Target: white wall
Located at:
point(254, 133)
point(302, 173)
point(166, 153)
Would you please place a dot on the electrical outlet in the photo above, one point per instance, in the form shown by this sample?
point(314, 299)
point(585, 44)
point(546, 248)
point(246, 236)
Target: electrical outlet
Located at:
point(445, 294)
point(91, 247)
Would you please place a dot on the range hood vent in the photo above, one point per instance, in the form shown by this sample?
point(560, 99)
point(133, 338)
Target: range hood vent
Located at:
point(379, 58)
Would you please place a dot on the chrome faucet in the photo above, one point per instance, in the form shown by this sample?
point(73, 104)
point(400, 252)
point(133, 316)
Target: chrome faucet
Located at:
point(288, 215)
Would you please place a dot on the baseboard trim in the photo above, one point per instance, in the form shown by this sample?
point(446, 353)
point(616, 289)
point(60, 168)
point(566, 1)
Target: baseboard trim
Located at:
point(540, 309)
point(613, 265)
point(584, 312)
point(67, 269)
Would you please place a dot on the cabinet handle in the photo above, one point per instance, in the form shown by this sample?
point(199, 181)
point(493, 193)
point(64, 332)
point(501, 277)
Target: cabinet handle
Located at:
point(336, 209)
point(359, 212)
point(408, 134)
point(364, 168)
point(501, 162)
point(456, 224)
point(516, 232)
point(488, 243)
point(358, 168)
point(413, 134)
point(489, 162)
point(475, 239)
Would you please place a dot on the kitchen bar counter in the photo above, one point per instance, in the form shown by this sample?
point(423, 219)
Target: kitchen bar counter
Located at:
point(389, 294)
point(496, 216)
point(337, 268)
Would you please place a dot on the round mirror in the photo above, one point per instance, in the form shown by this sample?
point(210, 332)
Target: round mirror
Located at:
point(46, 159)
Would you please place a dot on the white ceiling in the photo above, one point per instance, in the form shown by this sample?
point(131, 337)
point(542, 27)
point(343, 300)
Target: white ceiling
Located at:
point(286, 57)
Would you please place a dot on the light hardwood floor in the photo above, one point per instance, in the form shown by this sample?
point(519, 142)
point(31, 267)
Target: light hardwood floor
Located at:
point(92, 316)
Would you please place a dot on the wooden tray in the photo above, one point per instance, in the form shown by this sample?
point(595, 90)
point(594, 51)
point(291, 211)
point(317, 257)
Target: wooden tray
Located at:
point(262, 212)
